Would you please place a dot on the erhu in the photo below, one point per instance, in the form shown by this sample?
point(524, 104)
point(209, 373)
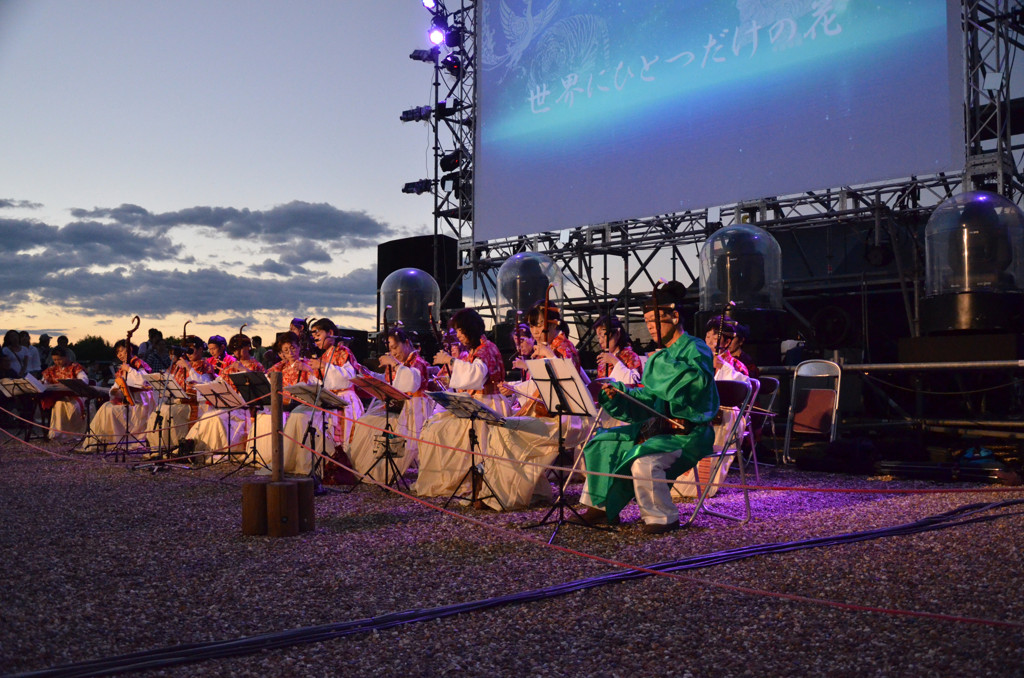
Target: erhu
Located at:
point(119, 378)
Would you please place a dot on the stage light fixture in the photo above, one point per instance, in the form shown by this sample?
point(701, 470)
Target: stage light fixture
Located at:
point(453, 38)
point(417, 114)
point(428, 55)
point(453, 64)
point(446, 109)
point(438, 29)
point(450, 161)
point(417, 187)
point(430, 4)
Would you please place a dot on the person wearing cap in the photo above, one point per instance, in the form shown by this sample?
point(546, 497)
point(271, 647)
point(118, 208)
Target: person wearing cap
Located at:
point(678, 381)
point(719, 336)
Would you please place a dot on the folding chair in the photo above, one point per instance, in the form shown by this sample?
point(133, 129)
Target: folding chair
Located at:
point(761, 414)
point(814, 405)
point(740, 395)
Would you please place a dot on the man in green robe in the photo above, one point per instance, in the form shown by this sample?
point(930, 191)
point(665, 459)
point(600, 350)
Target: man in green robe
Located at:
point(678, 382)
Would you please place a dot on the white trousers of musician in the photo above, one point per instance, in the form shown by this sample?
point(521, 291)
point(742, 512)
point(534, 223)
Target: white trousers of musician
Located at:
point(653, 494)
point(172, 429)
point(108, 426)
point(366, 448)
point(66, 420)
point(220, 431)
point(296, 459)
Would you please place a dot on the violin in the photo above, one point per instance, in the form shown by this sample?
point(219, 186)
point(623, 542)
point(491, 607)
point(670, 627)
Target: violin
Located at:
point(119, 378)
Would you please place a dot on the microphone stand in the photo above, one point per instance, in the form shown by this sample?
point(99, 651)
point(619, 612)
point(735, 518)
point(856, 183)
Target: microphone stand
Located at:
point(310, 435)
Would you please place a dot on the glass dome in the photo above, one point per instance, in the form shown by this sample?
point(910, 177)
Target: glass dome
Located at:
point(523, 280)
point(409, 291)
point(974, 242)
point(743, 264)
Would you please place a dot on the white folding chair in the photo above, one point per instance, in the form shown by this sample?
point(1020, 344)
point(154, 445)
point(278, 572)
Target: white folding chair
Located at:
point(740, 395)
point(814, 405)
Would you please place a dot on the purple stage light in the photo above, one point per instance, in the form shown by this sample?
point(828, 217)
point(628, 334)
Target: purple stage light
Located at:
point(436, 36)
point(430, 4)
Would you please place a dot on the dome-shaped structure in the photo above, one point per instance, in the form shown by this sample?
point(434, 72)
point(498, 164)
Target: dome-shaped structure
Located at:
point(409, 292)
point(523, 280)
point(974, 242)
point(742, 264)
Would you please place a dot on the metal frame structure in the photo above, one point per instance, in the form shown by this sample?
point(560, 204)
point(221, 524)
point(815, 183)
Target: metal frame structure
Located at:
point(626, 254)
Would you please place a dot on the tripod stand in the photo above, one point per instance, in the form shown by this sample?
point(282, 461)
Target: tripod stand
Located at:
point(387, 395)
point(252, 387)
point(316, 397)
point(564, 393)
point(466, 407)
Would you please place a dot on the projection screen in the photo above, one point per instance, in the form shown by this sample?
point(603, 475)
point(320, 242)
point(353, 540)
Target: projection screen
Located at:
point(591, 111)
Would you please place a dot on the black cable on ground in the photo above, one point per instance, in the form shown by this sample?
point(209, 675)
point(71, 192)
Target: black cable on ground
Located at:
point(196, 652)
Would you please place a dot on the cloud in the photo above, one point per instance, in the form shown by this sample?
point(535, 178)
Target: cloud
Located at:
point(156, 293)
point(20, 235)
point(296, 221)
point(19, 204)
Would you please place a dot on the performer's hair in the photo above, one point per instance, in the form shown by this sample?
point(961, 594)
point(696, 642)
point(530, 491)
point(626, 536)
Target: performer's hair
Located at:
point(285, 338)
point(300, 322)
point(400, 335)
point(730, 327)
point(325, 324)
point(237, 342)
point(193, 340)
point(219, 340)
point(176, 350)
point(122, 343)
point(535, 315)
point(59, 350)
point(618, 329)
point(471, 324)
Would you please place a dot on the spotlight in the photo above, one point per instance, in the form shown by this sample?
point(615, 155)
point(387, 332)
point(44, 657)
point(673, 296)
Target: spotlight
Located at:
point(446, 109)
point(417, 187)
point(453, 64)
point(428, 55)
point(430, 4)
point(415, 114)
point(453, 38)
point(438, 29)
point(451, 160)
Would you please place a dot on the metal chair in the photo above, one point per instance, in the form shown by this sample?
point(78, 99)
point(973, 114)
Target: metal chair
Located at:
point(740, 395)
point(762, 414)
point(814, 405)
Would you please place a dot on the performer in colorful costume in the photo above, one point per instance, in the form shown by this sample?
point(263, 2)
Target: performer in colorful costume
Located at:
point(678, 381)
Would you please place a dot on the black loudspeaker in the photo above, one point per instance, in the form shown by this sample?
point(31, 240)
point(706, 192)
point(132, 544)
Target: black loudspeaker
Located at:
point(418, 252)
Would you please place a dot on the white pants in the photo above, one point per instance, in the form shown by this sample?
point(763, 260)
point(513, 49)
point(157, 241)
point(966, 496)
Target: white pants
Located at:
point(655, 498)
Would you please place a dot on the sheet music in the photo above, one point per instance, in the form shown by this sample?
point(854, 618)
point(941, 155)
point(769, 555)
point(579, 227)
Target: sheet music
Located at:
point(306, 393)
point(219, 394)
point(558, 375)
point(162, 384)
point(466, 406)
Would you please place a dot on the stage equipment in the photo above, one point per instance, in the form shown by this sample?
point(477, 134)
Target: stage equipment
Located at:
point(254, 389)
point(438, 29)
point(389, 445)
point(417, 187)
point(974, 254)
point(410, 292)
point(523, 280)
point(453, 64)
point(416, 114)
point(428, 55)
point(430, 4)
point(741, 270)
point(450, 161)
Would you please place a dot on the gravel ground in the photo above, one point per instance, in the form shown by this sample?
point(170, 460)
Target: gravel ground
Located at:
point(100, 561)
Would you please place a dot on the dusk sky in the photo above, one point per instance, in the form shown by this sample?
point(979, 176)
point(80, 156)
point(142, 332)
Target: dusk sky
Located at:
point(223, 161)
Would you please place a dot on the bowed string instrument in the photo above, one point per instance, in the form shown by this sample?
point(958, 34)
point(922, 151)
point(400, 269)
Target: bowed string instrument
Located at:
point(119, 379)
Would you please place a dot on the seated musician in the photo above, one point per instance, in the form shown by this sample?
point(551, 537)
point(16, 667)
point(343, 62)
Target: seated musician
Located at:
point(176, 415)
point(295, 369)
point(533, 436)
point(224, 431)
point(109, 426)
point(67, 417)
point(220, 357)
point(736, 349)
point(407, 372)
point(719, 337)
point(617, 360)
point(476, 369)
point(678, 382)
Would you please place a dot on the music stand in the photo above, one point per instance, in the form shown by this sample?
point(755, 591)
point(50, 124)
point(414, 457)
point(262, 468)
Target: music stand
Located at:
point(315, 395)
point(220, 395)
point(565, 395)
point(384, 392)
point(252, 387)
point(465, 406)
point(18, 388)
point(167, 389)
